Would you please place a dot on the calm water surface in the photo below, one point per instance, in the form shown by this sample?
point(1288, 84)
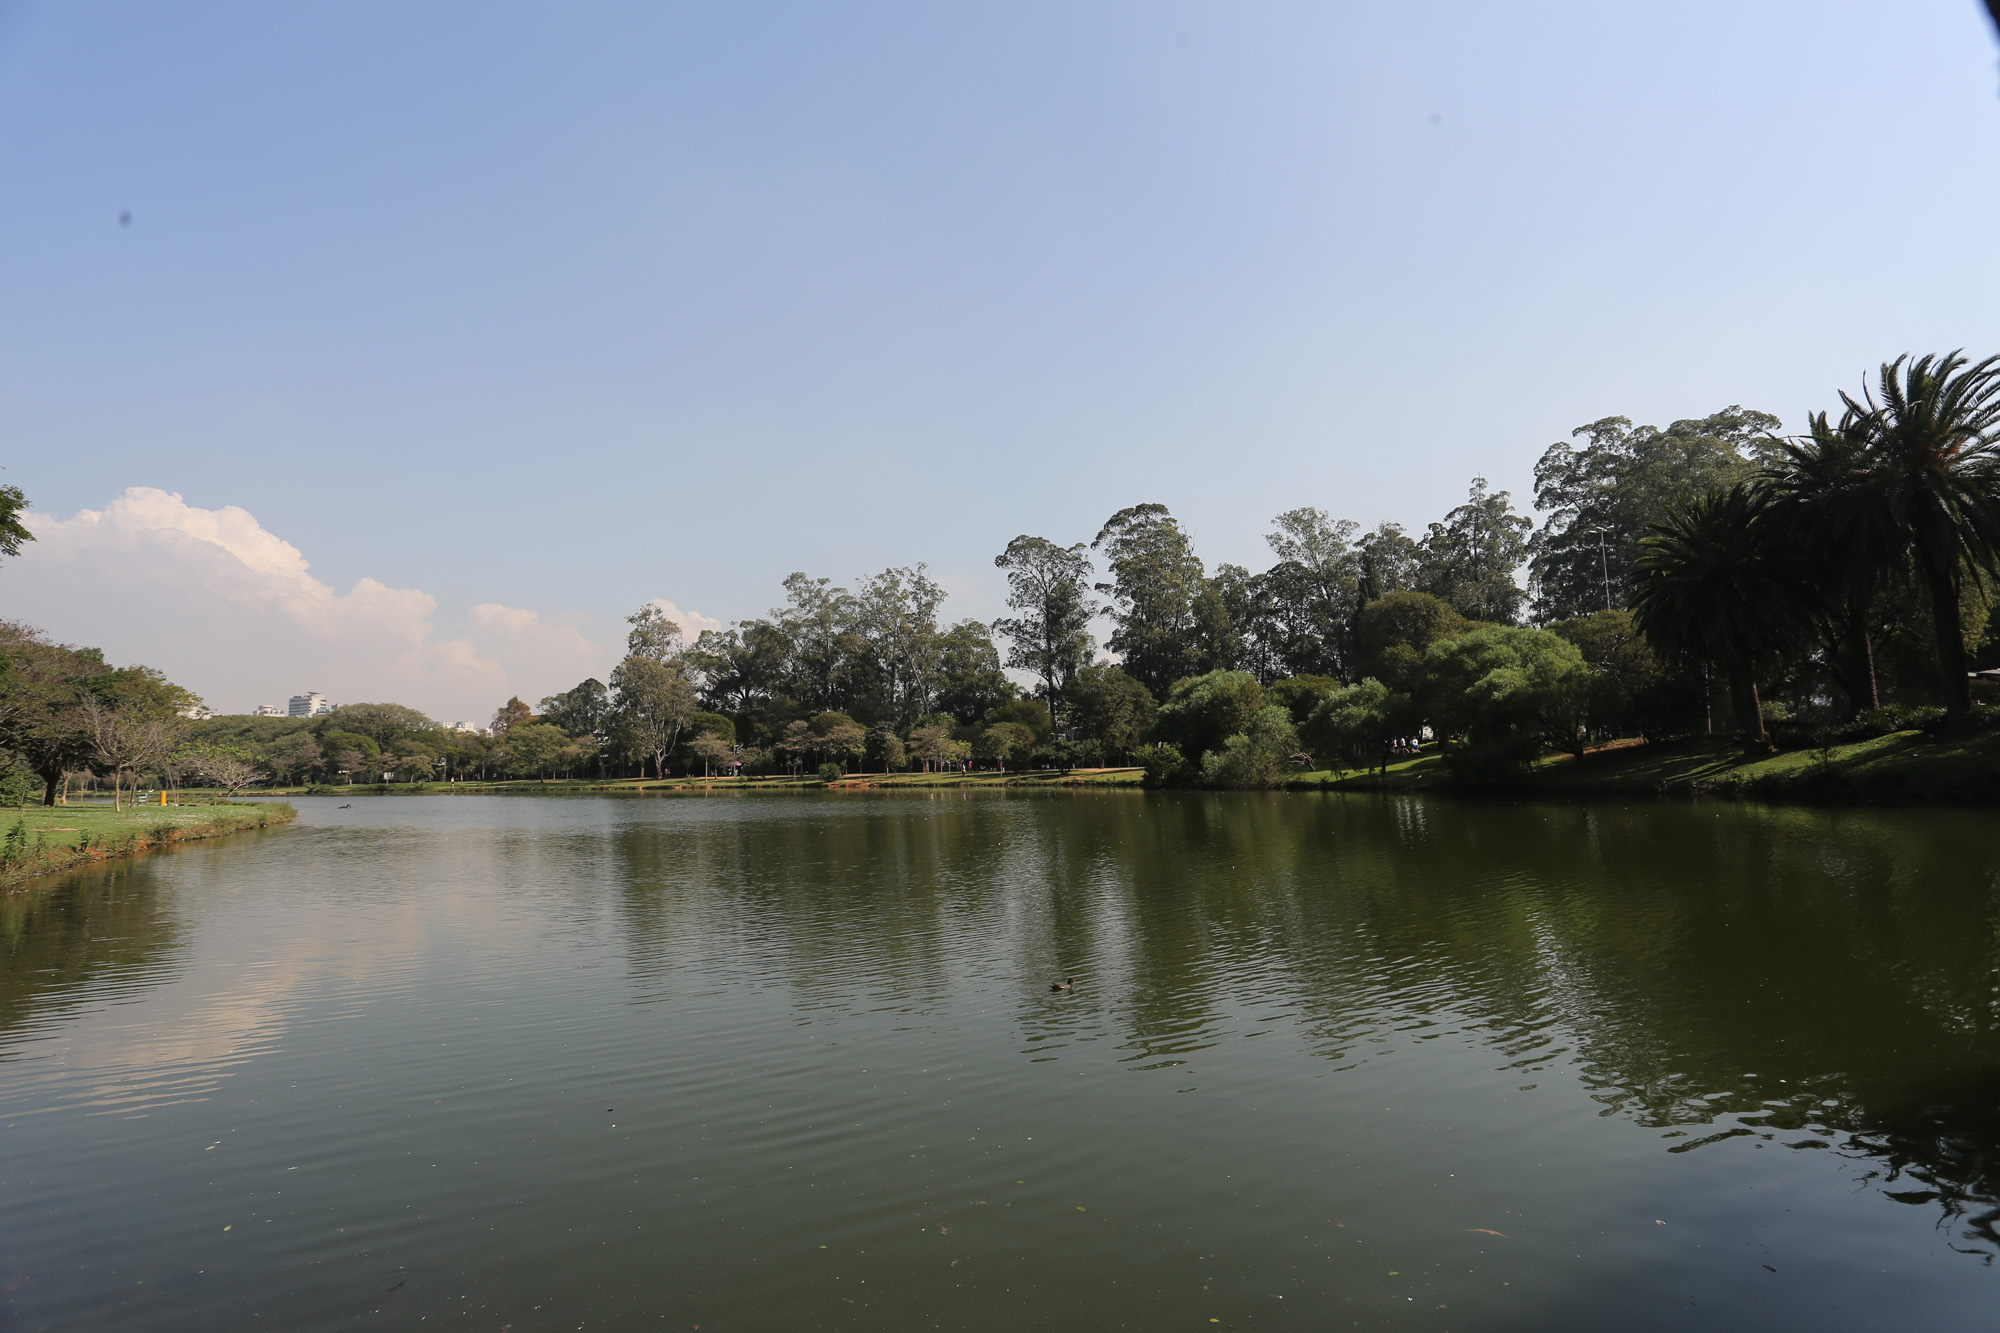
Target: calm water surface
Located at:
point(792, 1062)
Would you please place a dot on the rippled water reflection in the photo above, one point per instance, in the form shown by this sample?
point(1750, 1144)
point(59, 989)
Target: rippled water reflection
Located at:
point(792, 1062)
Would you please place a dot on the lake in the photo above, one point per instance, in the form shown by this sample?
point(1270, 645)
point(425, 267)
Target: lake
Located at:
point(792, 1061)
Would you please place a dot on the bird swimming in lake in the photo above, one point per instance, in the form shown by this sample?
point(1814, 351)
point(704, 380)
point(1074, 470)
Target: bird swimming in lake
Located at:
point(344, 807)
point(1067, 983)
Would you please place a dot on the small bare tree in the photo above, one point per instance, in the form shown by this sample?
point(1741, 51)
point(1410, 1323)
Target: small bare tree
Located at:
point(712, 749)
point(930, 746)
point(126, 740)
point(228, 768)
point(797, 742)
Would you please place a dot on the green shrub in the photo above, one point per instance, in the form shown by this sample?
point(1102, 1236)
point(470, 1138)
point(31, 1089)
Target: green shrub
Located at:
point(831, 772)
point(1164, 764)
point(1257, 757)
point(1357, 723)
point(1203, 713)
point(16, 844)
point(17, 786)
point(1870, 723)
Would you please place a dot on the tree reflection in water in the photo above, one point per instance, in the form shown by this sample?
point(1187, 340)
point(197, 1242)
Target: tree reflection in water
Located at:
point(1824, 979)
point(88, 936)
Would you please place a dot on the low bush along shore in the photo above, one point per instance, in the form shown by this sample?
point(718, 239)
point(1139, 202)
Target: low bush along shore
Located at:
point(40, 840)
point(1904, 765)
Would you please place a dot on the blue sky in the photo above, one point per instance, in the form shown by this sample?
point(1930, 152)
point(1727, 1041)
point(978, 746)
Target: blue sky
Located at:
point(559, 308)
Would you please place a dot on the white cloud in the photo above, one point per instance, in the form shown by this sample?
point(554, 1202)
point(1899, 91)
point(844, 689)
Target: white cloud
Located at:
point(233, 612)
point(692, 623)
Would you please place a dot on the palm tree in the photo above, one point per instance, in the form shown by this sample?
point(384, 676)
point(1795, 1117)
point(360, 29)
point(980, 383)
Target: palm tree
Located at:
point(1708, 589)
point(1822, 499)
point(1935, 482)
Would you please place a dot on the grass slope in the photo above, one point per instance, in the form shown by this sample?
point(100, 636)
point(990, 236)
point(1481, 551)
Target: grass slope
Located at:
point(56, 838)
point(1905, 766)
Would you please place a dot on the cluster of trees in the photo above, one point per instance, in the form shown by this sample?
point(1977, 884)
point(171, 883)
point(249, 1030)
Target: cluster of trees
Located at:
point(1851, 539)
point(834, 677)
point(872, 676)
point(1678, 574)
point(66, 713)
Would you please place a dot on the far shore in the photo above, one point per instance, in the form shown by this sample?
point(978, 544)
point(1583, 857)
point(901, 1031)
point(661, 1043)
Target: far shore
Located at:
point(1901, 766)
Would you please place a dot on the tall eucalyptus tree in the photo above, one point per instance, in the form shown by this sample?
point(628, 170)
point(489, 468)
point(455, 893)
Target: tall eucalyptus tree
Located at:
point(818, 621)
point(1156, 589)
point(1602, 489)
point(1387, 560)
point(1469, 559)
point(1318, 581)
point(896, 616)
point(1048, 588)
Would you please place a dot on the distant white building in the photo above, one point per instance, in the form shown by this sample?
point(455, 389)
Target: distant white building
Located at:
point(269, 710)
point(310, 704)
point(198, 712)
point(465, 727)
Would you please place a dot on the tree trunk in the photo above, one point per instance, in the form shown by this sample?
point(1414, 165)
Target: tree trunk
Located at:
point(1942, 584)
point(1865, 692)
point(1749, 710)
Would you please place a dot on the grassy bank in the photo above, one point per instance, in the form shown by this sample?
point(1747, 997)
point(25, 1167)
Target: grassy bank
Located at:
point(1903, 766)
point(42, 840)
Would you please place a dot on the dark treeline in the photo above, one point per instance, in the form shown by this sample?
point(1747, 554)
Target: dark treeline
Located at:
point(1709, 576)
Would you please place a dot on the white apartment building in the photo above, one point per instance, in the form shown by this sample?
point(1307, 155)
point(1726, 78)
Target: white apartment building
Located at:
point(310, 704)
point(269, 710)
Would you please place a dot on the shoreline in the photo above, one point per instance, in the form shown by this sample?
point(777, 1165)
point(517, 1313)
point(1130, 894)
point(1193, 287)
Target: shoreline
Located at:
point(1908, 767)
point(1049, 777)
point(42, 840)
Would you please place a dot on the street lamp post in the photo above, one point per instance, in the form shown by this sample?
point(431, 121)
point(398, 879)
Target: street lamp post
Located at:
point(1603, 563)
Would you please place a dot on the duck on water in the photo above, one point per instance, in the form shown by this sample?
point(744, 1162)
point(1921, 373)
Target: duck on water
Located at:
point(1067, 983)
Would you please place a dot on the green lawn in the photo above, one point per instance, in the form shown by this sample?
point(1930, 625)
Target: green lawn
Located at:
point(1426, 770)
point(1907, 765)
point(40, 840)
